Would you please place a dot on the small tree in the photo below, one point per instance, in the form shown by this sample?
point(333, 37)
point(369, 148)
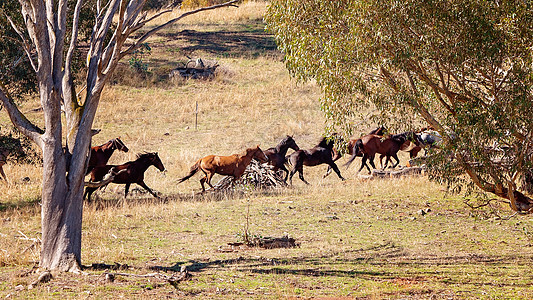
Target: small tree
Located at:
point(50, 47)
point(464, 67)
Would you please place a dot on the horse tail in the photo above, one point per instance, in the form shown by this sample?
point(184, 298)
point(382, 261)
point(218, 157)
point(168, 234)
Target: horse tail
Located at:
point(194, 170)
point(357, 149)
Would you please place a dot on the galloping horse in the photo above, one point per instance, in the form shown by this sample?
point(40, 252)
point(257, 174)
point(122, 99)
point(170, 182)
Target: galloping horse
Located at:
point(276, 155)
point(232, 165)
point(337, 155)
point(320, 154)
point(100, 154)
point(393, 144)
point(369, 145)
point(134, 173)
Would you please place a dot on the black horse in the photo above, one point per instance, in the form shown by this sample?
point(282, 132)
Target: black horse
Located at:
point(128, 173)
point(320, 154)
point(276, 155)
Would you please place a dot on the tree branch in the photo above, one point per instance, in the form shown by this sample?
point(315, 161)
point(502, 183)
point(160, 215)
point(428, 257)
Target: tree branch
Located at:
point(158, 28)
point(25, 45)
point(18, 119)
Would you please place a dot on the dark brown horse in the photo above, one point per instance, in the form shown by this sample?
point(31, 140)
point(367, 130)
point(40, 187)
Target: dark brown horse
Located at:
point(369, 145)
point(320, 154)
point(134, 173)
point(100, 154)
point(276, 155)
point(232, 165)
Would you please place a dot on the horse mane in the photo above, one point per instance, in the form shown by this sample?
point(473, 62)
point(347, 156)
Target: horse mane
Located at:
point(286, 139)
point(145, 155)
point(326, 143)
point(379, 129)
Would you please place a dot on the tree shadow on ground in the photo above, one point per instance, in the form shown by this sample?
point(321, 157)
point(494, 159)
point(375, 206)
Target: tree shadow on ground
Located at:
point(247, 40)
point(379, 263)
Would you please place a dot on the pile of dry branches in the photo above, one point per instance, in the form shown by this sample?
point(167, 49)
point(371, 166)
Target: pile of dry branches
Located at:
point(256, 176)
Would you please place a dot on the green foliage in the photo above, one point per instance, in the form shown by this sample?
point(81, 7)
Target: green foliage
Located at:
point(16, 72)
point(136, 61)
point(463, 67)
point(188, 4)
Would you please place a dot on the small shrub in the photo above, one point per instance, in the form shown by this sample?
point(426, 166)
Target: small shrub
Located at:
point(136, 61)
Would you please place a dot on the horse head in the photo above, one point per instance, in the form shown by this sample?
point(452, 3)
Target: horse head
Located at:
point(259, 154)
point(291, 143)
point(156, 162)
point(379, 130)
point(119, 145)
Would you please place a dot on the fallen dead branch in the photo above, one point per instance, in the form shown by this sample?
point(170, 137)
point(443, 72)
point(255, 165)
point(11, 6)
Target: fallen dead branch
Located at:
point(273, 242)
point(256, 176)
point(195, 69)
point(106, 180)
point(408, 171)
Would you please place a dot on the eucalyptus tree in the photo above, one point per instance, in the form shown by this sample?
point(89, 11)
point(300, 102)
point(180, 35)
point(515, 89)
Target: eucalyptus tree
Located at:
point(49, 45)
point(463, 66)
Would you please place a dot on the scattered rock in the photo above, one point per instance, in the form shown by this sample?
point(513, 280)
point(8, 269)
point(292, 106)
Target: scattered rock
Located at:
point(110, 277)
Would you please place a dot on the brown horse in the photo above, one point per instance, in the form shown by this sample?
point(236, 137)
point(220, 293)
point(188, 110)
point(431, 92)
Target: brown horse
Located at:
point(369, 145)
point(232, 165)
point(349, 147)
point(276, 155)
point(134, 173)
point(320, 154)
point(100, 154)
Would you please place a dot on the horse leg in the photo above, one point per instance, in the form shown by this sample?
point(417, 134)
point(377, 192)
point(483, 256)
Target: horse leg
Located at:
point(386, 162)
point(301, 174)
point(126, 190)
point(286, 173)
point(363, 163)
point(328, 171)
point(371, 160)
point(88, 192)
point(2, 172)
point(209, 176)
point(202, 180)
point(381, 160)
point(147, 188)
point(395, 156)
point(333, 166)
point(293, 171)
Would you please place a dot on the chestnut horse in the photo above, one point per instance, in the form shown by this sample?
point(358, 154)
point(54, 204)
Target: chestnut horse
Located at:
point(337, 155)
point(276, 155)
point(100, 154)
point(134, 173)
point(320, 154)
point(232, 165)
point(369, 145)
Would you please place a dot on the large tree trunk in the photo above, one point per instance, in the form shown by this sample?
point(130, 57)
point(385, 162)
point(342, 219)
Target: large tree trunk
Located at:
point(61, 214)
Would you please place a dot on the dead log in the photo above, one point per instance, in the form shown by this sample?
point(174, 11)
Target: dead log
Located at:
point(106, 180)
point(195, 69)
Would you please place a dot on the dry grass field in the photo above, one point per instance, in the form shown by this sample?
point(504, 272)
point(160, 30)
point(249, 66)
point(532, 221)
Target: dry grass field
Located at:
point(404, 238)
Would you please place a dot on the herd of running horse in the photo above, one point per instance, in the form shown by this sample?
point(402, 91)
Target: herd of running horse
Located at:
point(234, 165)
